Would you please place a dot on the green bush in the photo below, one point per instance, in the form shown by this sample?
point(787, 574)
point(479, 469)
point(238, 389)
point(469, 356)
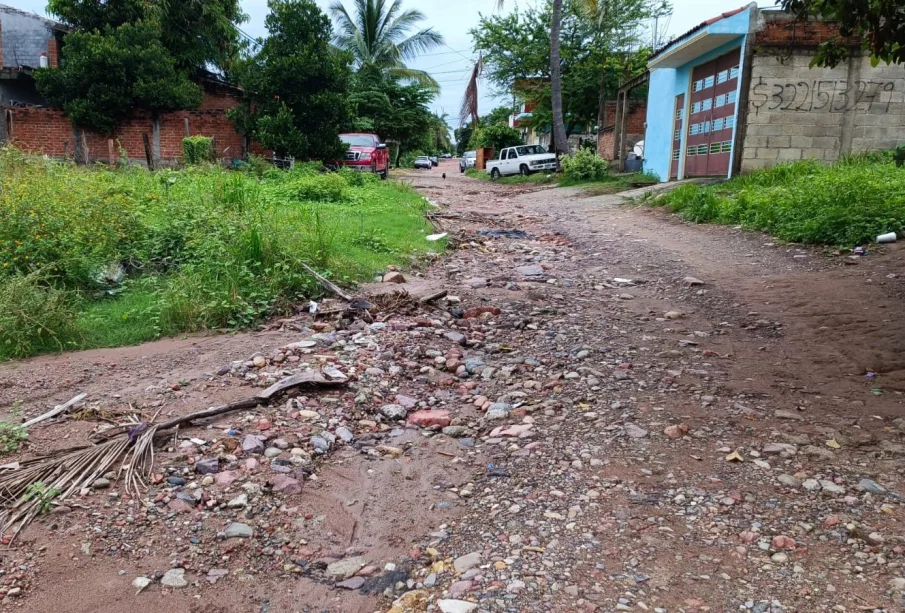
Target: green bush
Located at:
point(356, 178)
point(198, 149)
point(496, 137)
point(584, 165)
point(327, 187)
point(35, 317)
point(844, 204)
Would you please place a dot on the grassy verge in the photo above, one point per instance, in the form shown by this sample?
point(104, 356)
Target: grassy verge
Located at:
point(91, 257)
point(538, 177)
point(610, 183)
point(845, 204)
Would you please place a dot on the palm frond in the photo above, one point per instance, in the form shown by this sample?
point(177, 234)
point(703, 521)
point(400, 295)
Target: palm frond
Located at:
point(412, 75)
point(469, 108)
point(419, 43)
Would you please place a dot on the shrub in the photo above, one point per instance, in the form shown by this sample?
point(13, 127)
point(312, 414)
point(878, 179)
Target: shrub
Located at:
point(11, 437)
point(584, 165)
point(328, 187)
point(198, 149)
point(35, 317)
point(496, 136)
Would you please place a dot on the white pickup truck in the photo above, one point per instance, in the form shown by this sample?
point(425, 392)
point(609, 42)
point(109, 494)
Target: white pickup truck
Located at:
point(523, 159)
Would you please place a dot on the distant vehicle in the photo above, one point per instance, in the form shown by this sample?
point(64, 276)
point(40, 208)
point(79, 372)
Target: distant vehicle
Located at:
point(366, 153)
point(468, 160)
point(434, 160)
point(422, 161)
point(446, 156)
point(523, 160)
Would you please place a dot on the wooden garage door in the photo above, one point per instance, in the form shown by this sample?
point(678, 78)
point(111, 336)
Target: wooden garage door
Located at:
point(711, 117)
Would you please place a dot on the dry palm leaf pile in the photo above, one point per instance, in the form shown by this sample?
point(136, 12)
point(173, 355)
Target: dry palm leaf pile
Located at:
point(25, 490)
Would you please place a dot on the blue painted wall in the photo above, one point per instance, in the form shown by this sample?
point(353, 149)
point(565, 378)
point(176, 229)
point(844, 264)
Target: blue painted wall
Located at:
point(667, 83)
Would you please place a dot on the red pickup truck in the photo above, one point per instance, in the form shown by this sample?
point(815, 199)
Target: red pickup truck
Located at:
point(366, 153)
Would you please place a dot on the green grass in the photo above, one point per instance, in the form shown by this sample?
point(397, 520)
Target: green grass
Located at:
point(538, 177)
point(844, 204)
point(201, 248)
point(608, 184)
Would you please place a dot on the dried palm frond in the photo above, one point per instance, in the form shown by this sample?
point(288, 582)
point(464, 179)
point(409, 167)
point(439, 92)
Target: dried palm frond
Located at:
point(469, 109)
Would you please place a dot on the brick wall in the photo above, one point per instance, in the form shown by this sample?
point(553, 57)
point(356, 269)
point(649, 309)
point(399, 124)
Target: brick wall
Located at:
point(48, 131)
point(634, 128)
point(53, 53)
point(797, 112)
point(780, 29)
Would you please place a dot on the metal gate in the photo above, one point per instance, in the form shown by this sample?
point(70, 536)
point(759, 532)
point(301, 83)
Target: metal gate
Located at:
point(711, 116)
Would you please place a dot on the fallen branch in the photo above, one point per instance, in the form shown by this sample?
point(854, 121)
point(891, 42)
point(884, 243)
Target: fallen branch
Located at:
point(327, 284)
point(132, 451)
point(60, 408)
point(432, 297)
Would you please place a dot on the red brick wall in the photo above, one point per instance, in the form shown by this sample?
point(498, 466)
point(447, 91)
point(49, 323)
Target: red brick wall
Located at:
point(48, 131)
point(783, 29)
point(634, 127)
point(53, 53)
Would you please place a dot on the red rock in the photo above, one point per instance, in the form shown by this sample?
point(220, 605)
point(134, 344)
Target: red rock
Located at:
point(393, 277)
point(426, 419)
point(179, 506)
point(676, 431)
point(285, 484)
point(783, 542)
point(748, 537)
point(478, 311)
point(264, 425)
point(831, 521)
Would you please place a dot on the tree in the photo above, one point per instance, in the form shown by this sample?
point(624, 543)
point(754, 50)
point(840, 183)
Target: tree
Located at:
point(397, 112)
point(879, 24)
point(108, 74)
point(296, 85)
point(499, 115)
point(378, 34)
point(496, 136)
point(439, 132)
point(518, 60)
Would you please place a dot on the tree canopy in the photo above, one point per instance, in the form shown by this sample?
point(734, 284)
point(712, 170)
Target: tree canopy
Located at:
point(379, 34)
point(879, 24)
point(296, 85)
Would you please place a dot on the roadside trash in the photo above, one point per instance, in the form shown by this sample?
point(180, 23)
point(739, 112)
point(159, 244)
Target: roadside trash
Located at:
point(735, 456)
point(859, 251)
point(312, 307)
point(877, 391)
point(503, 233)
point(436, 237)
point(870, 374)
point(623, 281)
point(889, 237)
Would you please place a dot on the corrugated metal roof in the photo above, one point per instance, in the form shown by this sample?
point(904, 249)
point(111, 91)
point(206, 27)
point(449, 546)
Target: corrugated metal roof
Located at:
point(698, 28)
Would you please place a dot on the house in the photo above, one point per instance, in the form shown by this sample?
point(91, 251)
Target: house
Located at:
point(29, 41)
point(736, 93)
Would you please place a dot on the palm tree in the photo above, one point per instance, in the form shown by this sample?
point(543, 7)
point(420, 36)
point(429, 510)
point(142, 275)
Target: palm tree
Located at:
point(439, 132)
point(377, 34)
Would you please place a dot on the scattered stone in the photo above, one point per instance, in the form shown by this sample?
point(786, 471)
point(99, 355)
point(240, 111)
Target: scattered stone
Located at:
point(351, 584)
point(673, 315)
point(692, 281)
point(455, 431)
point(238, 502)
point(781, 414)
point(101, 484)
point(456, 606)
point(426, 419)
point(207, 466)
point(789, 480)
point(141, 583)
point(252, 444)
point(532, 270)
point(239, 530)
point(393, 277)
point(867, 485)
point(469, 560)
point(345, 568)
point(633, 431)
point(175, 578)
point(285, 484)
point(272, 452)
point(393, 411)
point(498, 410)
point(456, 337)
point(676, 431)
point(215, 574)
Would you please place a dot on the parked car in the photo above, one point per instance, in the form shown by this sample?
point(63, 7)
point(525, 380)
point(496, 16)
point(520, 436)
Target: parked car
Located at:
point(524, 160)
point(366, 153)
point(434, 160)
point(446, 156)
point(422, 161)
point(468, 160)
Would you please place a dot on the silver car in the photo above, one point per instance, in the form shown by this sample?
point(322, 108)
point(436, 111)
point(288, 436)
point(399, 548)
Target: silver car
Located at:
point(422, 161)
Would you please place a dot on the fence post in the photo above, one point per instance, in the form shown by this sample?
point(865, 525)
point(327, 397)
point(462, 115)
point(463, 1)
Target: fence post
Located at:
point(147, 142)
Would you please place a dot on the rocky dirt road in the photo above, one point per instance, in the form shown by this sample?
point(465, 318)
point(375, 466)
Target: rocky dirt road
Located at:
point(612, 411)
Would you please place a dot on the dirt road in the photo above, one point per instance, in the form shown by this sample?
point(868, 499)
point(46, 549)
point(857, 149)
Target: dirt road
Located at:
point(645, 416)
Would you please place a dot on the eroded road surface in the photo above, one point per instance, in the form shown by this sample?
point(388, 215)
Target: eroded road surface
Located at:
point(643, 415)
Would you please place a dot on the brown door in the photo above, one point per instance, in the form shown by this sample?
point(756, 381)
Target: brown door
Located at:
point(712, 116)
point(677, 136)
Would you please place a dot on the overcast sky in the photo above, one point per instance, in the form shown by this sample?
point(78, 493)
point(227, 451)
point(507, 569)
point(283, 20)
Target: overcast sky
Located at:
point(451, 65)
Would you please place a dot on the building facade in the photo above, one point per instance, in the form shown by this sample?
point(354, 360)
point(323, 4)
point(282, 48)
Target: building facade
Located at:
point(737, 93)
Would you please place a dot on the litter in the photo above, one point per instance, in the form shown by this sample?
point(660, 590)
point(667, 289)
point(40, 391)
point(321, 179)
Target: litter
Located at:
point(435, 237)
point(889, 237)
point(859, 251)
point(503, 233)
point(312, 307)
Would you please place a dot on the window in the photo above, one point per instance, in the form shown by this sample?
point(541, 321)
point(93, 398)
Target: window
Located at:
point(722, 76)
point(718, 124)
point(694, 129)
point(504, 154)
point(705, 127)
point(691, 151)
point(708, 82)
point(677, 135)
point(679, 114)
point(714, 147)
point(675, 154)
point(732, 97)
point(729, 122)
point(702, 149)
point(698, 85)
point(727, 146)
point(696, 107)
point(733, 72)
point(707, 104)
point(719, 101)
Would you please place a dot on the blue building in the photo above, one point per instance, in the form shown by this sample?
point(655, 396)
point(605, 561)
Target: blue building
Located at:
point(692, 108)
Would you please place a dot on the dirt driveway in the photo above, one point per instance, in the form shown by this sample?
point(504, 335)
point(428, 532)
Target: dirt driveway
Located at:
point(643, 415)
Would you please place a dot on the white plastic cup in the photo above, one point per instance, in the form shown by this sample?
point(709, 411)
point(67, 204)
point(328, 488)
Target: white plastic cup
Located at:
point(889, 237)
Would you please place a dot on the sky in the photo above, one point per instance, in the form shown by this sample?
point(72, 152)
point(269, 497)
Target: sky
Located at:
point(451, 64)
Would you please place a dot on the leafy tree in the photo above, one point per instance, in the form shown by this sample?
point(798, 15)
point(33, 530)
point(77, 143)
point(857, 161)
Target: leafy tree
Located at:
point(463, 138)
point(296, 85)
point(496, 136)
point(499, 115)
point(439, 132)
point(879, 24)
point(517, 58)
point(377, 34)
point(108, 74)
point(395, 111)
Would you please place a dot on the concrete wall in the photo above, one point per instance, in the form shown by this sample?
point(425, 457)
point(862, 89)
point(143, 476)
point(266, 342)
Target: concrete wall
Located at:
point(796, 112)
point(25, 36)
